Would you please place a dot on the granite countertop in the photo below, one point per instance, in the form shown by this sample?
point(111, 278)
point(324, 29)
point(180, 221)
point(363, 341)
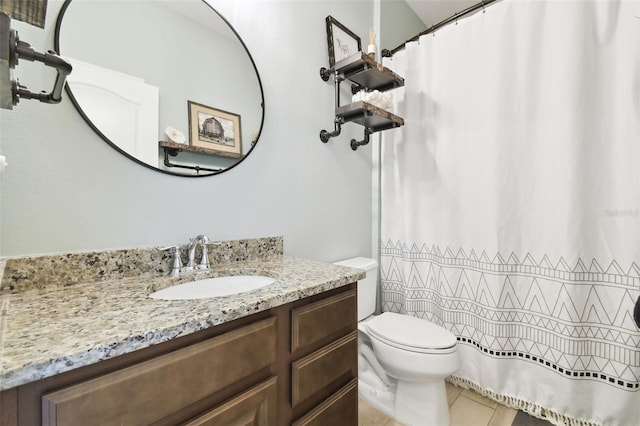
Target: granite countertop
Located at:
point(46, 331)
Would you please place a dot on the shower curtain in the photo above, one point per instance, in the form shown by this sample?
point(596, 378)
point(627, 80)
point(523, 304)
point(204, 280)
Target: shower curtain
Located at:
point(511, 202)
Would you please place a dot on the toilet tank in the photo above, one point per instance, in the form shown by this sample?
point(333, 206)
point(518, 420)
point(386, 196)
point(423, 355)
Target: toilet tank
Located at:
point(367, 287)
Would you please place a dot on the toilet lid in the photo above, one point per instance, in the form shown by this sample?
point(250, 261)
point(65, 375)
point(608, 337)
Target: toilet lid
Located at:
point(411, 332)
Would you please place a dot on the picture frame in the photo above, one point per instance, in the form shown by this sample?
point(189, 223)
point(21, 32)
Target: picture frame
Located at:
point(215, 131)
point(342, 41)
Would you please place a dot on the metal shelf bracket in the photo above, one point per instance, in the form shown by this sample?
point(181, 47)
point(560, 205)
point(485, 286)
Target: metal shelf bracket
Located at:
point(325, 74)
point(367, 133)
point(174, 152)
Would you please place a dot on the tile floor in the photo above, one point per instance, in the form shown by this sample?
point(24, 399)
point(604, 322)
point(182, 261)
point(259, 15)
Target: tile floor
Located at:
point(466, 408)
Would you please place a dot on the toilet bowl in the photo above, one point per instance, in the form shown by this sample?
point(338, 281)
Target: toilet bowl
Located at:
point(402, 360)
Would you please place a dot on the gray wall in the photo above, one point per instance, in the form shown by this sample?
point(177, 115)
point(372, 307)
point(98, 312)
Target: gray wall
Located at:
point(66, 190)
point(398, 23)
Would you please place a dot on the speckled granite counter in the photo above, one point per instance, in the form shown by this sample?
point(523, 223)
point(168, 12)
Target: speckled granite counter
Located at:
point(46, 331)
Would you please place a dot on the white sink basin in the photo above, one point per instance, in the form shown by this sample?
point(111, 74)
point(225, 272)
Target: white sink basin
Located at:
point(213, 287)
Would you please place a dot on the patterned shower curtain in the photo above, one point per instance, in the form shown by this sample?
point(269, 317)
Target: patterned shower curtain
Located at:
point(511, 203)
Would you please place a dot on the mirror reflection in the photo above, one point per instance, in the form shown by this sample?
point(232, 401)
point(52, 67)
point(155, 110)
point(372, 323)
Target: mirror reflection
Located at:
point(167, 83)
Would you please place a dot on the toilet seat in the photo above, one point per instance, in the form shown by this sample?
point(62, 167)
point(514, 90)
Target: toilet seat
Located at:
point(411, 334)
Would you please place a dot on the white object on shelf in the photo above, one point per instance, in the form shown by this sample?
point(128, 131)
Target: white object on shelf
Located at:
point(371, 51)
point(375, 97)
point(175, 135)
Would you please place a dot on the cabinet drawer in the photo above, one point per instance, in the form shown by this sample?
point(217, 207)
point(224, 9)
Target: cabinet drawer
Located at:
point(255, 407)
point(149, 391)
point(325, 371)
point(314, 324)
point(340, 409)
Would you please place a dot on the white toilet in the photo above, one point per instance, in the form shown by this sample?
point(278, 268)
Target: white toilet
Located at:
point(402, 360)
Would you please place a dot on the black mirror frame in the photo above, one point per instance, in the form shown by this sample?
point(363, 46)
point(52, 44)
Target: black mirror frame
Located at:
point(99, 133)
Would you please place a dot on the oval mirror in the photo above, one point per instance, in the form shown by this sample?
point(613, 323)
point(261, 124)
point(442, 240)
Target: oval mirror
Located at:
point(168, 83)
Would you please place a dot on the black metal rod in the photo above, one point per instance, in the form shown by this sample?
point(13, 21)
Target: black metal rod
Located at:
point(181, 166)
point(433, 28)
point(337, 80)
point(337, 122)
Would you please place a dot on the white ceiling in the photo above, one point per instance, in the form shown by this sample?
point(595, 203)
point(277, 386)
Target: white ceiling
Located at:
point(433, 11)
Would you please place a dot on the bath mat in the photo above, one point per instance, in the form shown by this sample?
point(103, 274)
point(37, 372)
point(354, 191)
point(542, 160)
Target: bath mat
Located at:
point(524, 419)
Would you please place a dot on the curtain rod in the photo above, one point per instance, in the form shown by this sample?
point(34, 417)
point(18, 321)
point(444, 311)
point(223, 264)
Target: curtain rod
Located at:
point(454, 18)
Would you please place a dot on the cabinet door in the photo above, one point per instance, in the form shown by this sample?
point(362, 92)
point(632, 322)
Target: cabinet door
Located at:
point(325, 371)
point(319, 322)
point(255, 407)
point(149, 391)
point(340, 409)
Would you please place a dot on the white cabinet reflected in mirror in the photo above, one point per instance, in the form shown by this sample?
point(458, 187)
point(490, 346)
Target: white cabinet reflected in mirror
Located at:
point(139, 66)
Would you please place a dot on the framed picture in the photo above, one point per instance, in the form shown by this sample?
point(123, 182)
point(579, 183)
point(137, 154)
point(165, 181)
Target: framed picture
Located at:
point(342, 42)
point(215, 130)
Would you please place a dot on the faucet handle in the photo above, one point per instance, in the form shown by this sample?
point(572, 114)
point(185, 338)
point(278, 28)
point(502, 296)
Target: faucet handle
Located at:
point(177, 262)
point(204, 260)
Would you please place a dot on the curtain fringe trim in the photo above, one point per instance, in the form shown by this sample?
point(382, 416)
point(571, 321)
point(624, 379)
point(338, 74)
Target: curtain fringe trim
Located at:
point(520, 404)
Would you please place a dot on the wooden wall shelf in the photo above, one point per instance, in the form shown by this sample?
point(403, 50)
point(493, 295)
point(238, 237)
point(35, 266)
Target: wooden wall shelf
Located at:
point(178, 147)
point(366, 74)
point(368, 115)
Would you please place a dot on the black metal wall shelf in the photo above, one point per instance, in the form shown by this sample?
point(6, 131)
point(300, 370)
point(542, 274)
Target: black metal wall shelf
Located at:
point(366, 74)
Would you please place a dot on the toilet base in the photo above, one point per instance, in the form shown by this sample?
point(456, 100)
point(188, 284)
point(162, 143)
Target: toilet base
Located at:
point(413, 404)
point(381, 399)
point(421, 404)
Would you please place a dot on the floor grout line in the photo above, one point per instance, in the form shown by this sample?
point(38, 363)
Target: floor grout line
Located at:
point(454, 399)
point(495, 411)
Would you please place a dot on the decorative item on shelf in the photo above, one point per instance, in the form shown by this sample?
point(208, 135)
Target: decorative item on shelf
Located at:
point(211, 132)
point(215, 130)
point(371, 49)
point(175, 135)
point(376, 98)
point(342, 41)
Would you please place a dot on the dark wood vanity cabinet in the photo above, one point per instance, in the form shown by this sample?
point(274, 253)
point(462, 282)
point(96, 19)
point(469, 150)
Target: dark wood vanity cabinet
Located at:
point(324, 343)
point(156, 389)
point(294, 364)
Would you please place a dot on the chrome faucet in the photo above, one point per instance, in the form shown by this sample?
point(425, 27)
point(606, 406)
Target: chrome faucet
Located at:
point(191, 253)
point(176, 258)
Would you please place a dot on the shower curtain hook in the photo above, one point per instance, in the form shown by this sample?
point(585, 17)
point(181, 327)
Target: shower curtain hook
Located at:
point(433, 31)
point(483, 6)
point(456, 16)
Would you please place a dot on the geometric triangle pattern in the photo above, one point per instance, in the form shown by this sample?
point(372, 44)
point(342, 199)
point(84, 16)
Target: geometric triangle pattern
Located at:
point(574, 320)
